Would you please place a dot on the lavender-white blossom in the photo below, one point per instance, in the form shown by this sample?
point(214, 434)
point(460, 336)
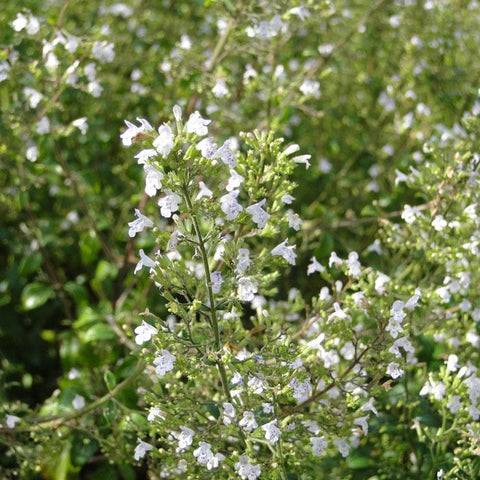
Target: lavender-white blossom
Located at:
point(258, 214)
point(196, 124)
point(169, 203)
point(246, 470)
point(230, 206)
point(153, 180)
point(164, 362)
point(144, 333)
point(165, 140)
point(246, 289)
point(145, 261)
point(272, 432)
point(248, 421)
point(137, 226)
point(132, 131)
point(314, 266)
point(141, 449)
point(285, 251)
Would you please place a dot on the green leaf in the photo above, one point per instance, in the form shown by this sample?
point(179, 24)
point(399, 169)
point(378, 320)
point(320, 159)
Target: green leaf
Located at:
point(35, 294)
point(83, 448)
point(213, 409)
point(110, 380)
point(30, 264)
point(99, 331)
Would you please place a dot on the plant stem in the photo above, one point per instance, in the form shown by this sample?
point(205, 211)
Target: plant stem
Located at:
point(203, 253)
point(58, 420)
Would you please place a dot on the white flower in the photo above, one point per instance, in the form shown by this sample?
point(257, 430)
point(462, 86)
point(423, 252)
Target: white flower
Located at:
point(32, 153)
point(229, 205)
point(301, 390)
point(267, 408)
point(310, 88)
point(234, 181)
point(454, 405)
point(20, 22)
point(78, 402)
point(243, 260)
point(287, 252)
point(228, 413)
point(205, 456)
point(81, 124)
point(401, 177)
point(11, 421)
point(184, 437)
point(95, 90)
point(410, 214)
point(145, 154)
point(319, 445)
point(248, 422)
point(272, 432)
point(164, 362)
point(394, 370)
point(169, 203)
point(303, 159)
point(153, 180)
point(137, 226)
point(287, 199)
point(452, 363)
point(185, 42)
point(71, 43)
point(338, 313)
point(439, 223)
point(144, 333)
point(217, 281)
point(141, 449)
point(404, 343)
point(145, 261)
point(369, 407)
point(155, 413)
point(437, 389)
point(334, 260)
point(343, 446)
point(207, 147)
point(4, 70)
point(164, 142)
point(204, 191)
point(256, 385)
point(132, 131)
point(246, 470)
point(226, 155)
point(33, 97)
point(348, 351)
point(246, 289)
point(363, 423)
point(412, 302)
point(324, 165)
point(354, 267)
point(103, 52)
point(380, 282)
point(31, 23)
point(314, 266)
point(220, 88)
point(42, 127)
point(196, 124)
point(177, 113)
point(294, 221)
point(302, 12)
point(258, 214)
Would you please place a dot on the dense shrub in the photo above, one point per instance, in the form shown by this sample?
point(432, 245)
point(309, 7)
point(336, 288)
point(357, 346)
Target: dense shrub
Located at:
point(239, 239)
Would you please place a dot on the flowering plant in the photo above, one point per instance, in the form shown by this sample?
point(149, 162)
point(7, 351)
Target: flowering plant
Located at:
point(275, 279)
